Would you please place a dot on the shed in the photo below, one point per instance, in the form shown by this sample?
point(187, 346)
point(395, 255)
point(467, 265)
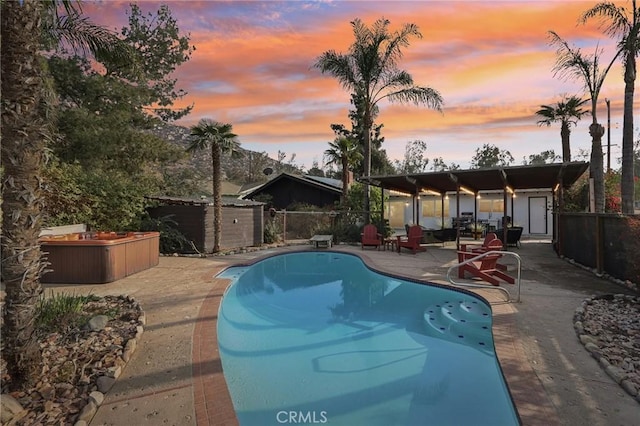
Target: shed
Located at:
point(286, 189)
point(242, 220)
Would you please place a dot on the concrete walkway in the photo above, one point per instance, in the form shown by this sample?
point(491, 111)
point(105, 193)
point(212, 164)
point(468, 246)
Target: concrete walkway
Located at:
point(175, 376)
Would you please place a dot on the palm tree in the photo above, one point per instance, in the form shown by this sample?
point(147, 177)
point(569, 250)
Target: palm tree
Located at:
point(370, 69)
point(25, 127)
point(567, 112)
point(621, 23)
point(345, 152)
point(23, 142)
point(572, 63)
point(219, 137)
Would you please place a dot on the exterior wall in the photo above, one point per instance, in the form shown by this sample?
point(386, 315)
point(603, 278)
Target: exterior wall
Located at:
point(517, 209)
point(208, 230)
point(285, 192)
point(190, 219)
point(242, 227)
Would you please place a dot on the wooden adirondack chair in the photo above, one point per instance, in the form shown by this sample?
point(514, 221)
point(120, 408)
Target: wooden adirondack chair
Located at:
point(371, 237)
point(411, 240)
point(486, 268)
point(491, 242)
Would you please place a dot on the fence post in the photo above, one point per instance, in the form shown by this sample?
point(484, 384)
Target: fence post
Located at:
point(284, 226)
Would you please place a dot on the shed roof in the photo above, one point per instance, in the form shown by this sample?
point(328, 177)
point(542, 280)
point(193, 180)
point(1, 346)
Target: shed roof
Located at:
point(226, 201)
point(545, 176)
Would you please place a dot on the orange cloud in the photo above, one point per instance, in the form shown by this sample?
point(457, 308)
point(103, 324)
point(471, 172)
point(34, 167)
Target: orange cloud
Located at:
point(491, 62)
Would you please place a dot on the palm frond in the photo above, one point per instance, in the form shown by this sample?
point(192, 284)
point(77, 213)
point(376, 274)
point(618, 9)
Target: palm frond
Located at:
point(418, 96)
point(612, 19)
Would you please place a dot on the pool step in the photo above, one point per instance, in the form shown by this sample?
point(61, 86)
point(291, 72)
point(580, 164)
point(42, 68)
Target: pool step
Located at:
point(467, 322)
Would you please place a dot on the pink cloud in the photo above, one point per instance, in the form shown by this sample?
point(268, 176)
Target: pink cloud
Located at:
point(490, 61)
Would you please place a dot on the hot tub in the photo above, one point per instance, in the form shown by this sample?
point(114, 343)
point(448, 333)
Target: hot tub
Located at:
point(98, 257)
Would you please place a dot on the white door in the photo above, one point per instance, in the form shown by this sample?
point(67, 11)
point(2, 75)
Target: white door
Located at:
point(537, 215)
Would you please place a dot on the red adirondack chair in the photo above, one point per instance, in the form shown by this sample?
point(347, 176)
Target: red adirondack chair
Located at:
point(371, 237)
point(485, 268)
point(491, 242)
point(411, 240)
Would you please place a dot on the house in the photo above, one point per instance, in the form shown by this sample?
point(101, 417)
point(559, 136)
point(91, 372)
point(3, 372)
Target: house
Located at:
point(286, 189)
point(242, 220)
point(525, 196)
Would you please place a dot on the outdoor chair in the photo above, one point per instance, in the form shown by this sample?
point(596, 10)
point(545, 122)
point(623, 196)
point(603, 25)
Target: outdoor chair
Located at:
point(371, 237)
point(491, 242)
point(485, 268)
point(412, 240)
point(513, 236)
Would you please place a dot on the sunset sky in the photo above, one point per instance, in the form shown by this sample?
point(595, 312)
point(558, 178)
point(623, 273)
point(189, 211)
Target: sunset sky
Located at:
point(490, 61)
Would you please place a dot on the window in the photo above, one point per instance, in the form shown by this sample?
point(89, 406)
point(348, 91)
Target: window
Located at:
point(491, 206)
point(396, 214)
point(432, 207)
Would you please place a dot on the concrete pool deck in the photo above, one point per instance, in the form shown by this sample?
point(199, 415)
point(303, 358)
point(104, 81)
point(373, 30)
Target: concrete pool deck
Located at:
point(175, 375)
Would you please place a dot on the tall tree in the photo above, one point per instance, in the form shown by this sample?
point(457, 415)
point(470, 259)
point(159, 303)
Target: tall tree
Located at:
point(26, 124)
point(108, 125)
point(370, 69)
point(345, 152)
point(438, 165)
point(490, 156)
point(380, 164)
point(573, 64)
point(545, 157)
point(623, 24)
point(218, 137)
point(414, 160)
point(160, 49)
point(23, 141)
point(567, 112)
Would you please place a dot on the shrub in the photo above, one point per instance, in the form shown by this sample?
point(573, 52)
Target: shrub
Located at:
point(171, 239)
point(61, 312)
point(271, 232)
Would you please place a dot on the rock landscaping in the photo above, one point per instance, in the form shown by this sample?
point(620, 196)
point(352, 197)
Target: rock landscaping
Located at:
point(78, 367)
point(609, 328)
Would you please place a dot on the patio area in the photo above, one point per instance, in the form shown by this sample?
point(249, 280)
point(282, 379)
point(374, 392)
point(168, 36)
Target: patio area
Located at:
point(175, 376)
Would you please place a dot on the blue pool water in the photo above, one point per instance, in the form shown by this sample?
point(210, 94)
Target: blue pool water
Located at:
point(319, 338)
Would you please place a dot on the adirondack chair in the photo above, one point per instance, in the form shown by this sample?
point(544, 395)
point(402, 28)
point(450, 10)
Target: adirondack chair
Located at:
point(411, 240)
point(371, 237)
point(485, 268)
point(491, 242)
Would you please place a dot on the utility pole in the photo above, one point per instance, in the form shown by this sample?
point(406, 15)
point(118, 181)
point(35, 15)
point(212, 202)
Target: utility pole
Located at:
point(608, 134)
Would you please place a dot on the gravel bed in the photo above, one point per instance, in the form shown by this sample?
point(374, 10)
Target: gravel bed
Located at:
point(609, 328)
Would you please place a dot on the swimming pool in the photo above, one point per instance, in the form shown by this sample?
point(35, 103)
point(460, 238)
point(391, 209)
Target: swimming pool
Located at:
point(319, 338)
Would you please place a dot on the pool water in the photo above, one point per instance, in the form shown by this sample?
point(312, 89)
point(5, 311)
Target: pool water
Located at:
point(319, 338)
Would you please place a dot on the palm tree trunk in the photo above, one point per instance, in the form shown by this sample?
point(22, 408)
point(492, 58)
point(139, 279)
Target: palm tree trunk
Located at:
point(565, 134)
point(345, 178)
point(23, 143)
point(626, 183)
point(596, 169)
point(367, 160)
point(217, 196)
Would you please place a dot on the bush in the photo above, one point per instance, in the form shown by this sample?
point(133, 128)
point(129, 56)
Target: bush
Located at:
point(61, 312)
point(171, 240)
point(271, 232)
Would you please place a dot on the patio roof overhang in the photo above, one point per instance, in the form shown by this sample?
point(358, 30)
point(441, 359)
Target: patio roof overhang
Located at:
point(546, 176)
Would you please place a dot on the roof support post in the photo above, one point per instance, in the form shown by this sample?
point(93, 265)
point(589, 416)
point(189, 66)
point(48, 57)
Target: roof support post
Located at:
point(457, 216)
point(504, 215)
